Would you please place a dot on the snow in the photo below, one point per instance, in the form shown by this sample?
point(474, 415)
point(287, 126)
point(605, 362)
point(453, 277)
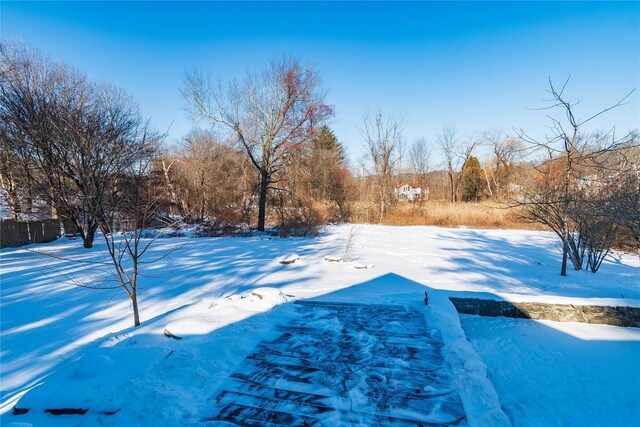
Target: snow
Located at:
point(478, 395)
point(223, 296)
point(558, 374)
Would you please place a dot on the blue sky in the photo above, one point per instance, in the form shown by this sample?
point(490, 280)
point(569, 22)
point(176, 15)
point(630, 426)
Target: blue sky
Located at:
point(477, 65)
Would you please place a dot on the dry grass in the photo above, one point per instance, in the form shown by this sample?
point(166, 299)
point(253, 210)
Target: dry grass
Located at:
point(448, 214)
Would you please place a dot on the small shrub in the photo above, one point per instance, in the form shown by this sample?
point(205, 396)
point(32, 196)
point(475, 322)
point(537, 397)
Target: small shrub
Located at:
point(216, 228)
point(300, 221)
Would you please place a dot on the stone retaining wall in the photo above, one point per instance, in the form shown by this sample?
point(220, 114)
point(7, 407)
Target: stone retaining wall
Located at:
point(616, 316)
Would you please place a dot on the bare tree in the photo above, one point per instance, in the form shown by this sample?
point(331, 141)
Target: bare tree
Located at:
point(76, 135)
point(383, 140)
point(89, 146)
point(502, 167)
point(419, 159)
point(448, 142)
point(270, 115)
point(209, 174)
point(43, 105)
point(11, 164)
point(571, 147)
point(132, 206)
point(627, 209)
point(456, 154)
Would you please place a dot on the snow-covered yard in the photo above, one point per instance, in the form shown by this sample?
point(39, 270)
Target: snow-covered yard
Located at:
point(54, 332)
point(560, 374)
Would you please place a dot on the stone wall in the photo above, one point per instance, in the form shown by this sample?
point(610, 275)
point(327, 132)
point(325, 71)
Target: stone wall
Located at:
point(617, 316)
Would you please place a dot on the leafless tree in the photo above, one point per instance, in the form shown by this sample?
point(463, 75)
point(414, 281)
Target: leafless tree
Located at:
point(448, 141)
point(89, 146)
point(383, 140)
point(627, 211)
point(209, 174)
point(11, 166)
point(503, 166)
point(42, 105)
point(270, 115)
point(76, 135)
point(131, 208)
point(572, 149)
point(456, 153)
point(420, 160)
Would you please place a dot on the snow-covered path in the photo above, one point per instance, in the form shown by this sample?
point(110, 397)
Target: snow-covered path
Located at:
point(345, 364)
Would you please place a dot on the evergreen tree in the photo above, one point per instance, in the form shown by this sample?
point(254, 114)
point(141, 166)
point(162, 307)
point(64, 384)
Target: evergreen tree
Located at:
point(328, 171)
point(326, 140)
point(471, 180)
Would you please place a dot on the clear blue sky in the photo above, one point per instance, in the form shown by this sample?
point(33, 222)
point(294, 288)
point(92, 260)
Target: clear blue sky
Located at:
point(473, 64)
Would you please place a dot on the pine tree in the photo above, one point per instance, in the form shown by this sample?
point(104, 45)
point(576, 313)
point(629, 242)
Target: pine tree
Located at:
point(471, 180)
point(326, 140)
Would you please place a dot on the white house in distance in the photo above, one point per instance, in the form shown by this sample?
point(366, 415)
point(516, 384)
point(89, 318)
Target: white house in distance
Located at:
point(411, 192)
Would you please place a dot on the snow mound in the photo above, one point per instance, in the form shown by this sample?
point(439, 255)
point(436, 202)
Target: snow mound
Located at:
point(479, 397)
point(205, 317)
point(94, 367)
point(194, 325)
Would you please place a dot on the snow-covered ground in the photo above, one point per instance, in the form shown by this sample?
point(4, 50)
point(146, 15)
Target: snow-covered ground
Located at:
point(561, 374)
point(201, 289)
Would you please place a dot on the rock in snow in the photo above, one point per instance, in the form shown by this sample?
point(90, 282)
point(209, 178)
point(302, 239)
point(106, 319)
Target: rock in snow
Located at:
point(289, 259)
point(269, 295)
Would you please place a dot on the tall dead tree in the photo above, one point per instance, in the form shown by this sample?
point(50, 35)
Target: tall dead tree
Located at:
point(383, 141)
point(270, 115)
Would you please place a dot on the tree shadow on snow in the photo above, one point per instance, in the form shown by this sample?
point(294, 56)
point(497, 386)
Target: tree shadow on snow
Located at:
point(162, 380)
point(46, 318)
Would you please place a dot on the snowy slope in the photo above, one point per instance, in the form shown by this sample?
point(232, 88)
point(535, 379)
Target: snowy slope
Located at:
point(47, 322)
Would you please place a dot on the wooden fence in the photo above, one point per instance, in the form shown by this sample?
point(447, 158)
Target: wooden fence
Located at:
point(19, 233)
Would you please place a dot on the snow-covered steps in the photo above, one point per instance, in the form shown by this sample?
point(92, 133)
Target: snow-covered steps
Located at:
point(344, 364)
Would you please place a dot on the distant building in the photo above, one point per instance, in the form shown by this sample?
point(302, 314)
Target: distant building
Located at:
point(411, 192)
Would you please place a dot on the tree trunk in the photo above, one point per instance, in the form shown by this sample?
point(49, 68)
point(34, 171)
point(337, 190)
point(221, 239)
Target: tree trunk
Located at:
point(89, 237)
point(172, 190)
point(486, 176)
point(14, 203)
point(262, 203)
point(453, 187)
point(134, 303)
point(565, 216)
point(565, 249)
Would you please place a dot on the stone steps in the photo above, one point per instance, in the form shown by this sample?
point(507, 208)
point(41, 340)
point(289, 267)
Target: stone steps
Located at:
point(343, 364)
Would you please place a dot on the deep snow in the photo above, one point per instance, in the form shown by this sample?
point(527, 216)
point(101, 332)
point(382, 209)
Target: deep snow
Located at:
point(561, 374)
point(53, 331)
